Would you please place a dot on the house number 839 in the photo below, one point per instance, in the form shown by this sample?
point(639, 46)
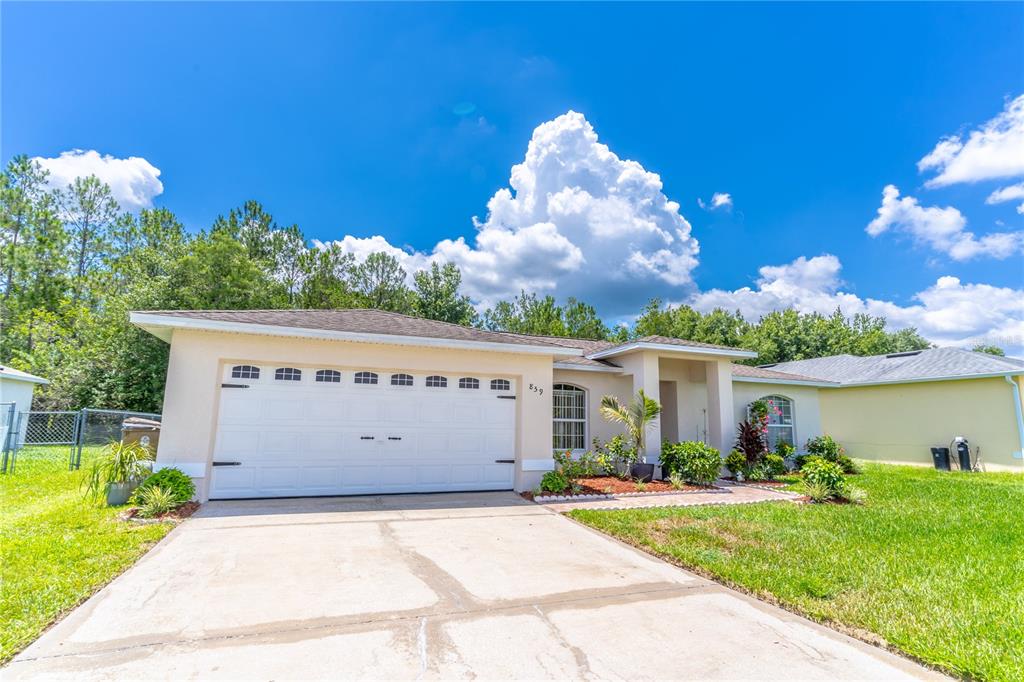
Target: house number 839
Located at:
point(536, 389)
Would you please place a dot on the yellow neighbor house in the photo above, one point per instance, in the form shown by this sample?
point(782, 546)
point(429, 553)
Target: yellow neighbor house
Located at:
point(896, 407)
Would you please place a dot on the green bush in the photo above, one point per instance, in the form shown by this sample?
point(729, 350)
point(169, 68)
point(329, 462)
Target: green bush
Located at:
point(784, 449)
point(156, 500)
point(736, 463)
point(818, 492)
point(825, 447)
point(615, 457)
point(774, 466)
point(697, 462)
point(118, 463)
point(170, 479)
point(818, 471)
point(554, 482)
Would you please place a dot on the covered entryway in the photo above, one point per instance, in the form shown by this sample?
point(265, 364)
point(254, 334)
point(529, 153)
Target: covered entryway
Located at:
point(286, 431)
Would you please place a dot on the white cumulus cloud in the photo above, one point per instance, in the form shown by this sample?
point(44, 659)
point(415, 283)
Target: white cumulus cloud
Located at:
point(1010, 193)
point(949, 312)
point(575, 220)
point(943, 229)
point(995, 150)
point(133, 181)
point(719, 200)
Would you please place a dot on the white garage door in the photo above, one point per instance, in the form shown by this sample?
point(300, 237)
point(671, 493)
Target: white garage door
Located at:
point(292, 431)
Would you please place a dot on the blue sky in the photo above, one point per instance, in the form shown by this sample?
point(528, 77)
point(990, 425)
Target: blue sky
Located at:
point(403, 121)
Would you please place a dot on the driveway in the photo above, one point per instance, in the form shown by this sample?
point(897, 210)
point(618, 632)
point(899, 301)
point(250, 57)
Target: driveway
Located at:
point(426, 586)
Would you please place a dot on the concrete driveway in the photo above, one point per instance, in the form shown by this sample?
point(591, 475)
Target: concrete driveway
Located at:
point(426, 586)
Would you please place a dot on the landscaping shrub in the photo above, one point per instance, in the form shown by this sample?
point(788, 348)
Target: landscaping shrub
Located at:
point(774, 466)
point(695, 461)
point(818, 492)
point(784, 450)
point(118, 463)
point(156, 500)
point(173, 480)
point(616, 456)
point(677, 481)
point(736, 463)
point(819, 472)
point(554, 482)
point(828, 448)
point(750, 441)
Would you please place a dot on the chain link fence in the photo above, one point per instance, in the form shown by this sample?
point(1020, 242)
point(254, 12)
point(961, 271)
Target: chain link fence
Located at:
point(77, 429)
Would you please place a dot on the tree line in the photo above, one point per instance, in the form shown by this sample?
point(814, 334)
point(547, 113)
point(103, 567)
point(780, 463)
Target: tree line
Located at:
point(73, 264)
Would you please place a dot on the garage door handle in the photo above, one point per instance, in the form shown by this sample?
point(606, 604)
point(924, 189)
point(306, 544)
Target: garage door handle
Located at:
point(394, 438)
point(504, 461)
point(365, 437)
point(234, 385)
point(506, 397)
point(227, 464)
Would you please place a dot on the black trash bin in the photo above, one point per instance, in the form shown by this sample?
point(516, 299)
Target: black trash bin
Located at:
point(941, 458)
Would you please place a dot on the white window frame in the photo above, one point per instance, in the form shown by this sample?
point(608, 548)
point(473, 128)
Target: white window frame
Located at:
point(291, 374)
point(574, 390)
point(773, 429)
point(501, 385)
point(372, 377)
point(327, 376)
point(474, 383)
point(246, 372)
point(431, 384)
point(401, 380)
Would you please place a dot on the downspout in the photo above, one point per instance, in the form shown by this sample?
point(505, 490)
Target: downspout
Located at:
point(1019, 414)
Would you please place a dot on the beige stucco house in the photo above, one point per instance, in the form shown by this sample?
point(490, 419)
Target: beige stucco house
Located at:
point(332, 402)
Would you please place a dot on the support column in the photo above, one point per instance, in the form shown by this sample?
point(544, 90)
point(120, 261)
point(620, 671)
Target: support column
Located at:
point(646, 375)
point(720, 408)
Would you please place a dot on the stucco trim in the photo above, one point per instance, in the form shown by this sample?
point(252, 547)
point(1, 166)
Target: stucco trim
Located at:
point(667, 348)
point(545, 464)
point(151, 323)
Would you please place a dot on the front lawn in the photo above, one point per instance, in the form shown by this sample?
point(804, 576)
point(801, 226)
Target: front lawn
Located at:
point(933, 563)
point(56, 548)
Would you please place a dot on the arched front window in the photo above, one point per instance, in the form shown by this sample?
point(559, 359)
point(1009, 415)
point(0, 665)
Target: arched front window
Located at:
point(569, 405)
point(780, 420)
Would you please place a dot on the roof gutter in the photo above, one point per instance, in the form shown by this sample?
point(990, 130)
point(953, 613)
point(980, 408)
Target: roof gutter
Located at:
point(921, 380)
point(671, 348)
point(154, 324)
point(786, 382)
point(1019, 414)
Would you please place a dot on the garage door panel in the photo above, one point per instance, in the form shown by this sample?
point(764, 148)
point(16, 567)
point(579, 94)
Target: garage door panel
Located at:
point(302, 438)
point(319, 477)
point(232, 441)
point(466, 473)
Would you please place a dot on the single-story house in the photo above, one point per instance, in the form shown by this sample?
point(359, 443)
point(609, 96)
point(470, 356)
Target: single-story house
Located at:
point(895, 407)
point(16, 389)
point(279, 403)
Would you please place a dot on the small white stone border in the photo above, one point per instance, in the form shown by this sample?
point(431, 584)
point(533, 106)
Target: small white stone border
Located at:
point(774, 489)
point(716, 503)
point(612, 496)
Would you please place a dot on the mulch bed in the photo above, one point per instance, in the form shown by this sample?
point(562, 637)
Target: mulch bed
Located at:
point(611, 485)
point(175, 515)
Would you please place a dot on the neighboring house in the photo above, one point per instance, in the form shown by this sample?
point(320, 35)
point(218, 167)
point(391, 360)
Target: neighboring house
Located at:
point(284, 403)
point(896, 407)
point(16, 388)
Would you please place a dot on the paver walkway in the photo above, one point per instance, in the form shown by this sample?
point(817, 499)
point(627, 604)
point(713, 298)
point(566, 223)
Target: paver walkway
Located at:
point(724, 493)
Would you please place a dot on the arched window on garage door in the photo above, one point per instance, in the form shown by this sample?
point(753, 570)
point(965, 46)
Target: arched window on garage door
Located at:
point(781, 422)
point(287, 374)
point(245, 372)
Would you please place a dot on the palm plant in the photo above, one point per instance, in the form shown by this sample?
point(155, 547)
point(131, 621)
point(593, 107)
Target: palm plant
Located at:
point(119, 464)
point(635, 417)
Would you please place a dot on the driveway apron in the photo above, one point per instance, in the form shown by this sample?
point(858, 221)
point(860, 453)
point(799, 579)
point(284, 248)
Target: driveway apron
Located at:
point(457, 585)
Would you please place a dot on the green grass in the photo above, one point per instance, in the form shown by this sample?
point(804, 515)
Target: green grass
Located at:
point(56, 548)
point(933, 563)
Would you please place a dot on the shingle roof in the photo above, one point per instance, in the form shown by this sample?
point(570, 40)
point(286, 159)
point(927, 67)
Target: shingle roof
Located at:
point(762, 373)
point(933, 363)
point(359, 320)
